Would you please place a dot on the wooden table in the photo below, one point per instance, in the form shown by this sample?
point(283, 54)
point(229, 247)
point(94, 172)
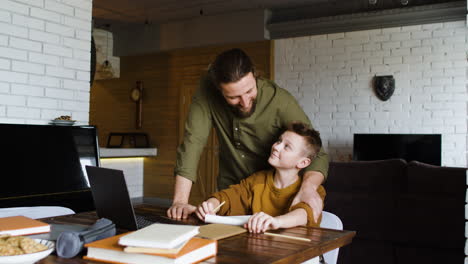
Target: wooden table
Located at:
point(243, 248)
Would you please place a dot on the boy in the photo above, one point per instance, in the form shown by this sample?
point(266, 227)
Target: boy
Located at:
point(268, 194)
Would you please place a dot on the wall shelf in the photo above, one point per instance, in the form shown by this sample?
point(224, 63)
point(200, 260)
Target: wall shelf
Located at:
point(127, 152)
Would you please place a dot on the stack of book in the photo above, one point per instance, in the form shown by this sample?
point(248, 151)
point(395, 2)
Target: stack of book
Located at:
point(157, 243)
point(22, 225)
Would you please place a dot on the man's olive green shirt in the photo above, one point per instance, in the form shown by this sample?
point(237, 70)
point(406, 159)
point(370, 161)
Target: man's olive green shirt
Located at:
point(244, 143)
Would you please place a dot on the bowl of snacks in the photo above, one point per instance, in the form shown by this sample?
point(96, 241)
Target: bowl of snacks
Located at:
point(23, 250)
point(63, 121)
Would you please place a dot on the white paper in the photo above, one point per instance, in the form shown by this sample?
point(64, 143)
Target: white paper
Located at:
point(228, 220)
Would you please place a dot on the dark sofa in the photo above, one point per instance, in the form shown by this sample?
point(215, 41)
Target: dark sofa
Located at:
point(402, 212)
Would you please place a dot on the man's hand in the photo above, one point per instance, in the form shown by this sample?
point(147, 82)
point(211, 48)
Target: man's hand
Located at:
point(180, 210)
point(308, 192)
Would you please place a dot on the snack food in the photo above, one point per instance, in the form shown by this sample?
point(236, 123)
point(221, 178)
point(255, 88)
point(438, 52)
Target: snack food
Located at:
point(64, 118)
point(10, 246)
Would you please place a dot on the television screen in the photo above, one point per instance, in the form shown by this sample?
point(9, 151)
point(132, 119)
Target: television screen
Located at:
point(425, 148)
point(42, 160)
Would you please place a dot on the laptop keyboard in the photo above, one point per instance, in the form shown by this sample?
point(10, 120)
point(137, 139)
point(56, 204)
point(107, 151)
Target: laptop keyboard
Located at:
point(142, 221)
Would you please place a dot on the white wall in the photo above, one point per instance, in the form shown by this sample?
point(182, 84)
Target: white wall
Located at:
point(331, 77)
point(44, 60)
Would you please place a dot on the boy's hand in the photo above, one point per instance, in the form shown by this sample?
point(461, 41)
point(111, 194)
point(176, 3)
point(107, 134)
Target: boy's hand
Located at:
point(180, 210)
point(260, 222)
point(207, 208)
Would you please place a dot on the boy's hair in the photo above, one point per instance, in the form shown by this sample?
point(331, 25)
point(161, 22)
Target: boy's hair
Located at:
point(230, 66)
point(310, 135)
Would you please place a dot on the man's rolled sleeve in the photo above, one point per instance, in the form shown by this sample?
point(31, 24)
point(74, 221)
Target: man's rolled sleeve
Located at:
point(310, 217)
point(197, 129)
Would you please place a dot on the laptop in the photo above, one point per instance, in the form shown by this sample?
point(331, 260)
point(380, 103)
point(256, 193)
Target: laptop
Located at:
point(112, 200)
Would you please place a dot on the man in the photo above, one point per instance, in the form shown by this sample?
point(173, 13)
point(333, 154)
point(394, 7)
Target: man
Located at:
point(248, 114)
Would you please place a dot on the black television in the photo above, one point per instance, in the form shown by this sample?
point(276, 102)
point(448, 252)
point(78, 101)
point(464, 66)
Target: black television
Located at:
point(45, 165)
point(425, 148)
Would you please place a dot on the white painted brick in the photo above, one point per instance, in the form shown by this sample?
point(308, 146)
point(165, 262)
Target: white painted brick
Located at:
point(455, 24)
point(58, 50)
point(434, 106)
point(83, 76)
point(86, 5)
point(2, 111)
point(372, 46)
point(46, 15)
point(425, 34)
point(41, 102)
point(57, 7)
point(441, 81)
point(20, 89)
point(44, 59)
point(454, 39)
point(14, 7)
point(77, 85)
point(50, 114)
point(433, 42)
point(393, 60)
point(44, 37)
point(20, 66)
point(411, 43)
point(433, 73)
point(379, 38)
point(28, 22)
point(443, 33)
point(76, 64)
point(60, 29)
point(459, 80)
point(360, 115)
point(433, 57)
point(24, 44)
point(441, 64)
point(12, 100)
point(335, 36)
point(13, 77)
point(41, 80)
point(373, 61)
point(391, 30)
point(5, 16)
point(23, 112)
point(81, 96)
point(83, 34)
point(83, 14)
point(411, 28)
point(77, 44)
point(59, 72)
point(433, 26)
point(401, 52)
point(391, 45)
point(455, 72)
point(400, 36)
point(3, 40)
point(4, 87)
point(75, 106)
point(5, 64)
point(442, 113)
point(412, 59)
point(58, 93)
point(77, 23)
point(421, 51)
point(12, 30)
point(38, 3)
point(353, 48)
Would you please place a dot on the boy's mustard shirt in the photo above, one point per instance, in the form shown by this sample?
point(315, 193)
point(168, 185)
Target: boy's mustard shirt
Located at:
point(257, 193)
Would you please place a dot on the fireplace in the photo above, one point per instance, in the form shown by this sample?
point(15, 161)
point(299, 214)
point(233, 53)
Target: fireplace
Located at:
point(426, 148)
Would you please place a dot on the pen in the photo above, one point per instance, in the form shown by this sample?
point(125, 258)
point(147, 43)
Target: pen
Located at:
point(218, 207)
point(286, 236)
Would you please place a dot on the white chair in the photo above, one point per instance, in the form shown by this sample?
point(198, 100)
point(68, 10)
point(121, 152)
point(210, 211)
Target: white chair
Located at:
point(36, 212)
point(329, 221)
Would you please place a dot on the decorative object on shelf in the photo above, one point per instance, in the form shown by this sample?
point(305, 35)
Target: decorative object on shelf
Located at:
point(107, 66)
point(384, 86)
point(127, 140)
point(137, 96)
point(63, 121)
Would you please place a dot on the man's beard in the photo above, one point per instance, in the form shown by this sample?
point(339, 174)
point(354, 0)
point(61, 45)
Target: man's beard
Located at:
point(241, 114)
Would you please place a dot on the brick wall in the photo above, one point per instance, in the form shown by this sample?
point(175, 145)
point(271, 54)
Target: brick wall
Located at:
point(44, 60)
point(331, 77)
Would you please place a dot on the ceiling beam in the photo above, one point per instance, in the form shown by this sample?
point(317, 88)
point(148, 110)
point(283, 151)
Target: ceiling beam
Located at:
point(416, 15)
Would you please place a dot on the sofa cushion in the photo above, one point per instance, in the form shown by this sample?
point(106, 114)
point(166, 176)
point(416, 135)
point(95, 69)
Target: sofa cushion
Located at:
point(431, 211)
point(366, 176)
